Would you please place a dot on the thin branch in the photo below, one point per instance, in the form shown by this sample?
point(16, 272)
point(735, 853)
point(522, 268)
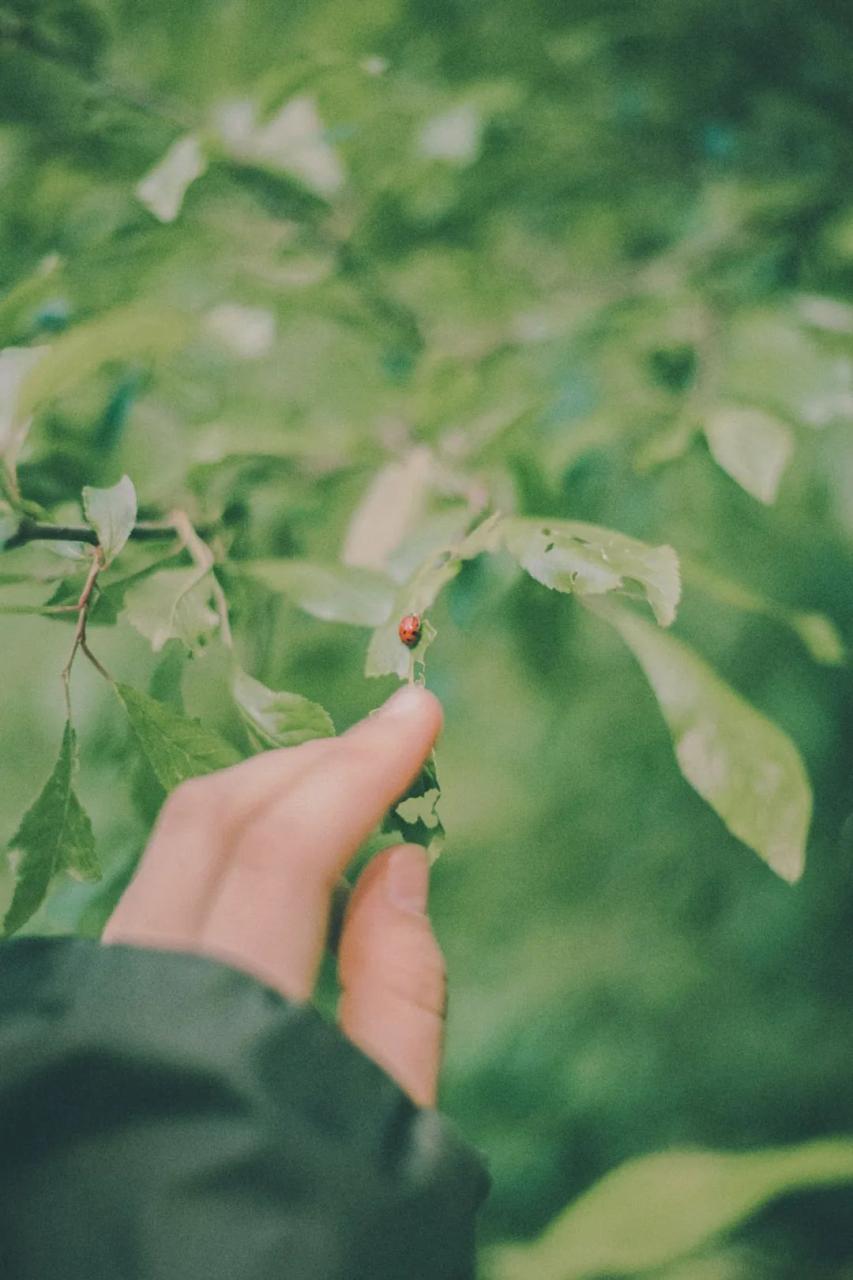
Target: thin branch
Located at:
point(35, 531)
point(80, 641)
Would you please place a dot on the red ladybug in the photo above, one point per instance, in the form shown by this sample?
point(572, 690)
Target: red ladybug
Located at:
point(409, 630)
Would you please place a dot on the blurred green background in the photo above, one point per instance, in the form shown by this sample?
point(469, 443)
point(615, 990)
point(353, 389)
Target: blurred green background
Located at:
point(548, 242)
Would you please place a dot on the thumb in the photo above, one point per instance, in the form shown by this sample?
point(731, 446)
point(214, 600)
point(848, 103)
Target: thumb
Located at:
point(392, 972)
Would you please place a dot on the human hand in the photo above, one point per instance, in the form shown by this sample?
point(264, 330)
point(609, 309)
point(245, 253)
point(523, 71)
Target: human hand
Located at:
point(243, 863)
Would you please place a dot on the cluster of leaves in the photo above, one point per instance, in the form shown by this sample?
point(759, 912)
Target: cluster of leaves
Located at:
point(383, 306)
point(744, 766)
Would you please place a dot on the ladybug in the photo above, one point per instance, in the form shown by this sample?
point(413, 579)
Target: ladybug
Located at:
point(409, 630)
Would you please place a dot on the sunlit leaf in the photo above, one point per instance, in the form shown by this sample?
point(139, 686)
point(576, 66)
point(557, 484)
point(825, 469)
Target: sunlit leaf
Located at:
point(176, 747)
point(16, 366)
point(659, 1208)
point(332, 592)
point(293, 141)
point(55, 835)
point(172, 604)
point(746, 768)
point(274, 718)
point(247, 332)
point(775, 361)
point(390, 509)
point(163, 188)
point(752, 446)
point(112, 514)
point(571, 556)
point(453, 136)
point(820, 636)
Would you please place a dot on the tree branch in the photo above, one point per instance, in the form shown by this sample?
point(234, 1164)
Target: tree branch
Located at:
point(35, 531)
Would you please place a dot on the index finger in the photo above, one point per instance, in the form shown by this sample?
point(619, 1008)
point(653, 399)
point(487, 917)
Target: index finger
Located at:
point(272, 907)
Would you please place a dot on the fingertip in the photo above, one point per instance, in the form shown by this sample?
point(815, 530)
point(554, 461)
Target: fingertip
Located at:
point(416, 703)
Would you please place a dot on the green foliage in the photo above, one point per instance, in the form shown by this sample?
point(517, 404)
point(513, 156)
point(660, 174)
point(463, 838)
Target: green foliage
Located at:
point(333, 593)
point(176, 748)
point(277, 719)
point(654, 1210)
point(390, 308)
point(736, 759)
point(752, 446)
point(574, 557)
point(112, 514)
point(55, 835)
point(172, 604)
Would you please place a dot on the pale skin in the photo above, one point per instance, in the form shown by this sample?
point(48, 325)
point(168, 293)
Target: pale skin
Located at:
point(242, 866)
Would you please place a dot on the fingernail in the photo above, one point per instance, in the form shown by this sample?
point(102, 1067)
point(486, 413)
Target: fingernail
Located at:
point(408, 879)
point(404, 702)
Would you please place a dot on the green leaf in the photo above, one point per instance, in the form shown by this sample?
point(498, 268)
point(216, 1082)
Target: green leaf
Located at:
point(386, 654)
point(278, 719)
point(172, 604)
point(128, 333)
point(163, 188)
point(55, 835)
point(390, 509)
point(112, 514)
point(16, 366)
point(176, 747)
point(292, 141)
point(746, 768)
point(752, 446)
point(775, 361)
point(571, 556)
point(415, 816)
point(820, 636)
point(654, 1210)
point(334, 593)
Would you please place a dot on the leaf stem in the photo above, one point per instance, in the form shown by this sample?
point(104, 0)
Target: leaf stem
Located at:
point(80, 641)
point(205, 559)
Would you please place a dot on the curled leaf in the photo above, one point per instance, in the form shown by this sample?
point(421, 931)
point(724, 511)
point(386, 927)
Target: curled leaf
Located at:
point(572, 556)
point(274, 718)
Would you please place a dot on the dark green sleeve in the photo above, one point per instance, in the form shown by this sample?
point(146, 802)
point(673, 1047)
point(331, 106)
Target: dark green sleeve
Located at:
point(164, 1117)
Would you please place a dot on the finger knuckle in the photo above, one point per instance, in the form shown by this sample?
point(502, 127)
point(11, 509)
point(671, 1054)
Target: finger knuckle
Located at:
point(196, 799)
point(279, 841)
